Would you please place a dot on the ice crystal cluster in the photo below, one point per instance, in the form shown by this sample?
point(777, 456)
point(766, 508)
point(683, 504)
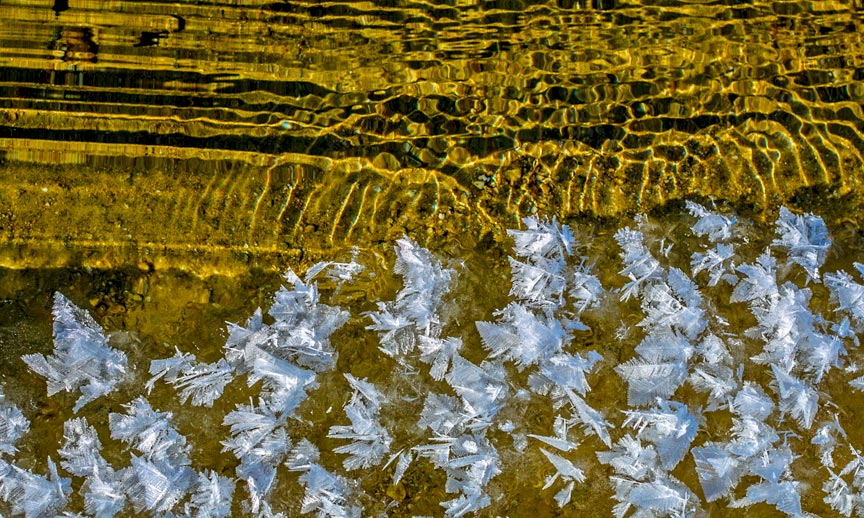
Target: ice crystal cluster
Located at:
point(712, 410)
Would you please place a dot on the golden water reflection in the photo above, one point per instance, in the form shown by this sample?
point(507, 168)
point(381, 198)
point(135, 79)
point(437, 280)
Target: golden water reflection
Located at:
point(185, 128)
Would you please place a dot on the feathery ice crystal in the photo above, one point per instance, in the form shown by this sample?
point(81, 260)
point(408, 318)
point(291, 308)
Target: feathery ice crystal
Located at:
point(82, 358)
point(13, 425)
point(726, 364)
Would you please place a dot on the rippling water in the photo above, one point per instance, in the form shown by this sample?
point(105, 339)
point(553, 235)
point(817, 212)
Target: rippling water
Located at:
point(270, 127)
point(163, 162)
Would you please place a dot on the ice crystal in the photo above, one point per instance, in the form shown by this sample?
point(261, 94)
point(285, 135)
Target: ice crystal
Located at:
point(253, 334)
point(104, 494)
point(327, 494)
point(713, 351)
point(32, 495)
point(285, 384)
point(592, 420)
point(522, 336)
point(532, 351)
point(856, 467)
point(542, 239)
point(846, 496)
point(628, 457)
point(820, 353)
point(203, 382)
point(784, 322)
point(336, 271)
point(585, 289)
point(559, 442)
point(652, 379)
point(783, 495)
point(715, 261)
point(169, 369)
point(537, 285)
point(714, 373)
point(670, 426)
point(659, 497)
point(156, 485)
point(826, 438)
point(569, 473)
point(751, 437)
point(719, 382)
point(212, 497)
point(660, 368)
point(805, 238)
point(439, 352)
point(371, 441)
point(482, 388)
point(149, 431)
point(395, 331)
point(258, 466)
point(718, 469)
point(674, 303)
point(415, 310)
point(847, 293)
point(840, 496)
point(260, 442)
point(665, 344)
point(403, 460)
point(302, 456)
point(751, 401)
point(13, 425)
point(459, 445)
point(564, 371)
point(471, 461)
point(443, 415)
point(472, 499)
point(773, 464)
point(250, 425)
point(161, 476)
point(82, 358)
point(81, 451)
point(540, 281)
point(302, 326)
point(716, 226)
point(641, 482)
point(759, 285)
point(796, 397)
point(425, 283)
point(639, 265)
point(857, 383)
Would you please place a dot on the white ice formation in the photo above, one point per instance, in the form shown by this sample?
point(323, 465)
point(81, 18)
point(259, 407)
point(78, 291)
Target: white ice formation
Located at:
point(82, 358)
point(723, 361)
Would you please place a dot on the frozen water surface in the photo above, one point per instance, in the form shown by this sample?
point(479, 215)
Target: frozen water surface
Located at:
point(633, 371)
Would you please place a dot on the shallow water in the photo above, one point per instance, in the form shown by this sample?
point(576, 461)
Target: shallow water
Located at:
point(164, 163)
point(235, 129)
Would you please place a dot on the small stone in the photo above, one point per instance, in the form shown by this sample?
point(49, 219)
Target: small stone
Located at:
point(396, 492)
